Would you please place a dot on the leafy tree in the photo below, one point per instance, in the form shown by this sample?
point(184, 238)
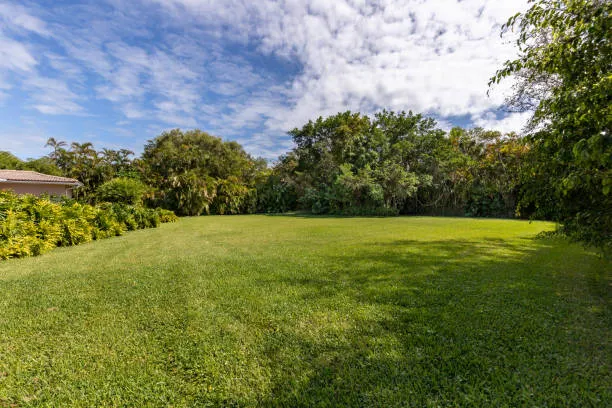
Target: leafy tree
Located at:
point(397, 184)
point(192, 169)
point(232, 196)
point(486, 170)
point(392, 161)
point(9, 161)
point(42, 165)
point(355, 189)
point(564, 70)
point(189, 193)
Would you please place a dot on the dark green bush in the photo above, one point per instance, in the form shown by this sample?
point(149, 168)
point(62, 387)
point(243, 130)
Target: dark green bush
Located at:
point(145, 217)
point(123, 215)
point(122, 190)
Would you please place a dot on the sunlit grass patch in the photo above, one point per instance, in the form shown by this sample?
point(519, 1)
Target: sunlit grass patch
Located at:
point(307, 311)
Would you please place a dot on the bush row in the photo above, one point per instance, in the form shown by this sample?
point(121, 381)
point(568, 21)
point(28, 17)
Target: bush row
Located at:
point(31, 225)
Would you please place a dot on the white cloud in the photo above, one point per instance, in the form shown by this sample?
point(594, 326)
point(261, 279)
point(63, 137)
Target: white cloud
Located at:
point(52, 96)
point(177, 120)
point(18, 58)
point(133, 111)
point(512, 122)
point(65, 67)
point(174, 62)
point(264, 142)
point(17, 18)
point(433, 57)
point(15, 56)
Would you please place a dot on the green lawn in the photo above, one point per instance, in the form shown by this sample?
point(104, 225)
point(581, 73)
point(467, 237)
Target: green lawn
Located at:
point(306, 311)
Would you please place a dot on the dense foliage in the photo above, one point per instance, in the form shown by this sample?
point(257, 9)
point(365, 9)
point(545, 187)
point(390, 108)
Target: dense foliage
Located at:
point(401, 163)
point(564, 71)
point(45, 165)
point(31, 225)
point(122, 190)
point(348, 163)
point(194, 172)
point(91, 167)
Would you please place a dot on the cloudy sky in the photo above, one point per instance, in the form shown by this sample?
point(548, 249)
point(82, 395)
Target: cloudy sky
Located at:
point(119, 72)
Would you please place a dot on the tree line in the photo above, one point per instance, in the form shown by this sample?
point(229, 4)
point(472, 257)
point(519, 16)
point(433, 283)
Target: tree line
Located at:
point(349, 163)
point(400, 162)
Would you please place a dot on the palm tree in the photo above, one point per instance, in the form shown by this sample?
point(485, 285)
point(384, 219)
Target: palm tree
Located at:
point(124, 161)
point(56, 145)
point(110, 156)
point(82, 148)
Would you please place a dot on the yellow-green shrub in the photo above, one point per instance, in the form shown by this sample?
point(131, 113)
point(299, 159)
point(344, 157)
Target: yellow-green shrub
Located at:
point(166, 215)
point(31, 225)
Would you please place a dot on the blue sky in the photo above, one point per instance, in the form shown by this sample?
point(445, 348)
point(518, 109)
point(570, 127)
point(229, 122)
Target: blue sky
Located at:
point(118, 73)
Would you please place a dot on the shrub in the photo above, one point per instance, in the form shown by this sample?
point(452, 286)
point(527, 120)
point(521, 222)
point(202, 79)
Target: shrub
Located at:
point(166, 215)
point(32, 225)
point(145, 218)
point(122, 190)
point(275, 196)
point(232, 197)
point(107, 224)
point(77, 224)
point(123, 215)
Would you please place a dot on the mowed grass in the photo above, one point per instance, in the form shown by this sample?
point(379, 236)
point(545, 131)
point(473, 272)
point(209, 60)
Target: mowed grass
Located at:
point(305, 311)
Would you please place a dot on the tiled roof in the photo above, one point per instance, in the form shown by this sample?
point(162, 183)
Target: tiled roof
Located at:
point(24, 176)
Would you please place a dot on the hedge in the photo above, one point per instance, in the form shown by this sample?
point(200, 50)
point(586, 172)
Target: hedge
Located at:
point(31, 225)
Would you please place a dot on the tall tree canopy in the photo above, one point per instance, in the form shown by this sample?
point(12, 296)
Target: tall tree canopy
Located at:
point(565, 70)
point(196, 172)
point(42, 165)
point(401, 163)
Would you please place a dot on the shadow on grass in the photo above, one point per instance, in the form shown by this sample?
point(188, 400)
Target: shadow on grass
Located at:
point(444, 323)
point(305, 214)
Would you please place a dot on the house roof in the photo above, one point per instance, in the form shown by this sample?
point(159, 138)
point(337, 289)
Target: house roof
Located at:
point(25, 176)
